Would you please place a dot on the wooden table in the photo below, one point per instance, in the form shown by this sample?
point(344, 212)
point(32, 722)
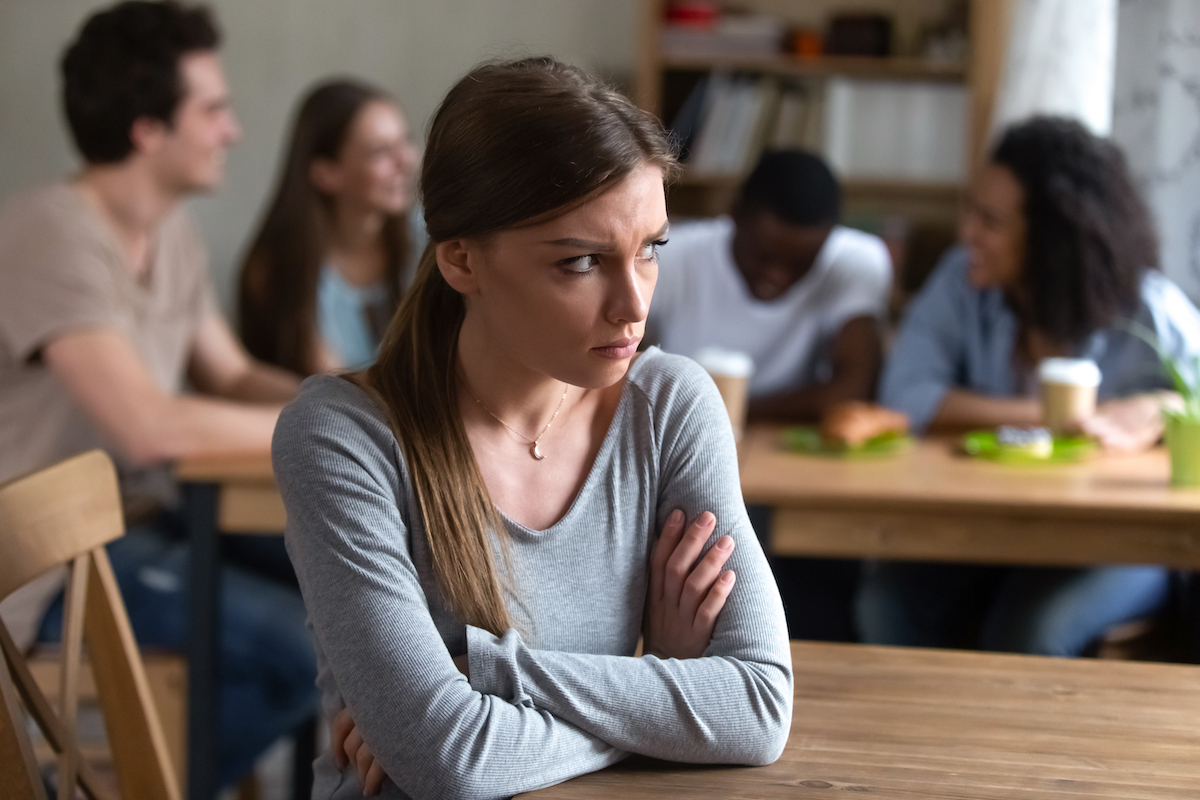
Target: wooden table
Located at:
point(930, 503)
point(927, 503)
point(901, 723)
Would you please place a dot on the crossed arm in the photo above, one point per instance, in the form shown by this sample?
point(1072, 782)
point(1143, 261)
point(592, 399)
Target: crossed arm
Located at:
point(527, 717)
point(688, 589)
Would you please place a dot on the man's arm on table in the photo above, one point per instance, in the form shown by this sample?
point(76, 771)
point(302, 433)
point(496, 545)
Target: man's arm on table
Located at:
point(856, 356)
point(219, 365)
point(105, 375)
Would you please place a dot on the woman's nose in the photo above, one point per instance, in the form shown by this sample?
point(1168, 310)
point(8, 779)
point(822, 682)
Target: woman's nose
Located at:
point(405, 156)
point(630, 300)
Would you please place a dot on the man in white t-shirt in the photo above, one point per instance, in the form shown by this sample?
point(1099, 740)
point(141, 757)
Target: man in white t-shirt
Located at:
point(780, 280)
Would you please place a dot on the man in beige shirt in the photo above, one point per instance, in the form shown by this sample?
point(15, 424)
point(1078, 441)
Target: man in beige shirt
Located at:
point(105, 307)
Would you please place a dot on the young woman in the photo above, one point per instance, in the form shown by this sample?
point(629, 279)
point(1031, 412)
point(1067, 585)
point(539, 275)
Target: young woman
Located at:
point(1058, 259)
point(485, 522)
point(323, 274)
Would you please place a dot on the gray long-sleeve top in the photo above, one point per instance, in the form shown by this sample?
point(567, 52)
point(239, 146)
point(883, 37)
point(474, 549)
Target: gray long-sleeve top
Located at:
point(565, 696)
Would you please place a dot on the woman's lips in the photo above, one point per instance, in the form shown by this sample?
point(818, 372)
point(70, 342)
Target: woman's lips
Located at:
point(622, 348)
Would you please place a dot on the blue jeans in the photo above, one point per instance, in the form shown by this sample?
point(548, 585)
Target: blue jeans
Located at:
point(267, 663)
point(1056, 612)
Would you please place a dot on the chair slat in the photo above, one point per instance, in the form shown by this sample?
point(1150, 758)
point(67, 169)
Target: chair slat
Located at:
point(17, 763)
point(72, 652)
point(39, 708)
point(134, 732)
point(66, 514)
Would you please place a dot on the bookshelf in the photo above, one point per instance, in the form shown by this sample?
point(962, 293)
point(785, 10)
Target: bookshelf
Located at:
point(894, 67)
point(926, 203)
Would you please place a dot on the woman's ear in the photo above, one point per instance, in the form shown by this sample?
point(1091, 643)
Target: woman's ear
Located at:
point(458, 261)
point(325, 175)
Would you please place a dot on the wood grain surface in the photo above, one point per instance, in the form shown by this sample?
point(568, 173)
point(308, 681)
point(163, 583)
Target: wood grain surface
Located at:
point(928, 503)
point(911, 723)
point(934, 503)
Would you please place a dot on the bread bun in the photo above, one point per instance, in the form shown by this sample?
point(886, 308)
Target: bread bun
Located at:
point(852, 423)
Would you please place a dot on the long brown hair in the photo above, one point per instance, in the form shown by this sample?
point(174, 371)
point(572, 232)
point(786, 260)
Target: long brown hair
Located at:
point(277, 296)
point(510, 143)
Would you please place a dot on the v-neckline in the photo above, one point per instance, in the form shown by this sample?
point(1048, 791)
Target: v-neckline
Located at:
point(604, 453)
point(143, 283)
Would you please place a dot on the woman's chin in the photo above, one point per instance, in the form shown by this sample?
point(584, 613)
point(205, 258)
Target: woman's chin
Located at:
point(602, 375)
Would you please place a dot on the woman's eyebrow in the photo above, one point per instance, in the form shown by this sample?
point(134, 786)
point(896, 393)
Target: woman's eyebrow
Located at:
point(604, 247)
point(585, 244)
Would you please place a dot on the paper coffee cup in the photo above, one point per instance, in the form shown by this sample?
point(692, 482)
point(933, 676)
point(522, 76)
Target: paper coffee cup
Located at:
point(1068, 392)
point(730, 371)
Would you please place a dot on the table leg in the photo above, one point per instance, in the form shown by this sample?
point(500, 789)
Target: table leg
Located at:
point(203, 630)
point(302, 758)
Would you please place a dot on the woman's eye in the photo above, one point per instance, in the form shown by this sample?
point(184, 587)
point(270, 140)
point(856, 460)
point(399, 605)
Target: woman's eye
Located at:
point(650, 251)
point(580, 264)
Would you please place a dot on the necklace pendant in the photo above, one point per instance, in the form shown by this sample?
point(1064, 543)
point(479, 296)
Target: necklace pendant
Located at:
point(533, 451)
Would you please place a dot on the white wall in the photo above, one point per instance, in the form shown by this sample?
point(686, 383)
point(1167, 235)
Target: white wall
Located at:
point(1156, 120)
point(273, 49)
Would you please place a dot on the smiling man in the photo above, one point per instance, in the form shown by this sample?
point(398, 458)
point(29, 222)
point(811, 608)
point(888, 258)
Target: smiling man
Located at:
point(780, 280)
point(105, 305)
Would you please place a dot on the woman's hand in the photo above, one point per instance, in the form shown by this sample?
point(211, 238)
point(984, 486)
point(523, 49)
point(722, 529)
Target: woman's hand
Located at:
point(1130, 424)
point(349, 747)
point(685, 595)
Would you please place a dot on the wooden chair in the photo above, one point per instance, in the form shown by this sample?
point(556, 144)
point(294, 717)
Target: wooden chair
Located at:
point(64, 515)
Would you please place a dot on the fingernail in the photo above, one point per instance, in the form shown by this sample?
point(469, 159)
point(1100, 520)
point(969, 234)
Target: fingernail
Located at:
point(726, 543)
point(707, 518)
point(676, 517)
point(727, 577)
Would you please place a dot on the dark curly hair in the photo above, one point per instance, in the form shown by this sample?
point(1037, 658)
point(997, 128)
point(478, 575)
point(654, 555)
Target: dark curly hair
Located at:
point(125, 65)
point(1089, 236)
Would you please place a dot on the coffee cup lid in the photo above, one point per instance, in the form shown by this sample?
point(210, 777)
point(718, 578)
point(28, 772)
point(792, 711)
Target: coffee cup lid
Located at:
point(1071, 371)
point(722, 361)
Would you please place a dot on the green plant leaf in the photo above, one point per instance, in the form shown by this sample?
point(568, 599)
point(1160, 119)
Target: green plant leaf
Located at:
point(1189, 391)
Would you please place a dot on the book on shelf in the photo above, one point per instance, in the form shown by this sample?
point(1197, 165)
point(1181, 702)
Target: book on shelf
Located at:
point(797, 120)
point(726, 122)
point(866, 129)
point(888, 130)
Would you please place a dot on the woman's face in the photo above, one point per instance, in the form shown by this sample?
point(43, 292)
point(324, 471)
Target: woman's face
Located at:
point(993, 229)
point(568, 298)
point(375, 168)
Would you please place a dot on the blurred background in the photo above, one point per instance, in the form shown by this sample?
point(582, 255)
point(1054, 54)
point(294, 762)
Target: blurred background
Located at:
point(272, 51)
point(899, 95)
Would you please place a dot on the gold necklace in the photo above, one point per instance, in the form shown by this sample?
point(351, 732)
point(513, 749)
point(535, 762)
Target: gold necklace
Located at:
point(533, 443)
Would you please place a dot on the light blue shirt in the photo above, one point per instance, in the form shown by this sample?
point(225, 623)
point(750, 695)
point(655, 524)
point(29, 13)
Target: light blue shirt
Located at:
point(956, 336)
point(342, 309)
point(342, 317)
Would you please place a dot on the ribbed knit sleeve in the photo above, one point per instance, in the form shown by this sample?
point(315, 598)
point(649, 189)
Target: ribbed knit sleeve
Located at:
point(433, 733)
point(566, 695)
point(734, 705)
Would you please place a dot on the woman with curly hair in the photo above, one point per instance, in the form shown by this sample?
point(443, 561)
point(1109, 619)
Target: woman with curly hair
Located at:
point(1058, 258)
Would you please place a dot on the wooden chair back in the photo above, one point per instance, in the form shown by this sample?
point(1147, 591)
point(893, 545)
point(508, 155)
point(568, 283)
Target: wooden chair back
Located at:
point(64, 515)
